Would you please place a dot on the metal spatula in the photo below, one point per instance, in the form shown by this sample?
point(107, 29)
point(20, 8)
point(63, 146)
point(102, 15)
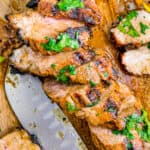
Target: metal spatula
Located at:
point(38, 115)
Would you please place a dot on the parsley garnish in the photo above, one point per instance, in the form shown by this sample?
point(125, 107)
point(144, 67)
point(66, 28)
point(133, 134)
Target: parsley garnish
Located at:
point(53, 66)
point(62, 73)
point(1, 59)
point(93, 103)
point(129, 145)
point(71, 107)
point(126, 26)
point(66, 5)
point(58, 44)
point(143, 27)
point(93, 84)
point(148, 45)
point(105, 74)
point(140, 123)
point(88, 67)
point(97, 114)
point(112, 109)
point(120, 18)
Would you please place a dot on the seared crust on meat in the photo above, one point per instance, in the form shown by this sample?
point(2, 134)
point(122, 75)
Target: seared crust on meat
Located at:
point(137, 61)
point(33, 28)
point(90, 14)
point(27, 60)
point(17, 140)
point(137, 39)
point(105, 104)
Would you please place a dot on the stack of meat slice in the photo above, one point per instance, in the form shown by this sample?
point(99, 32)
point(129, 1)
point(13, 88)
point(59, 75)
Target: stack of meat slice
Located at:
point(81, 81)
point(133, 32)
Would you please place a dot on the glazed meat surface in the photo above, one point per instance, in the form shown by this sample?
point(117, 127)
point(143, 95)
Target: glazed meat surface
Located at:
point(27, 60)
point(88, 14)
point(137, 61)
point(134, 29)
point(34, 28)
point(108, 103)
point(17, 140)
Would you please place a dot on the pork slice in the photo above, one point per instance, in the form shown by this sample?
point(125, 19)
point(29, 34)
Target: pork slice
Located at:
point(137, 61)
point(100, 105)
point(33, 28)
point(88, 68)
point(27, 60)
point(138, 27)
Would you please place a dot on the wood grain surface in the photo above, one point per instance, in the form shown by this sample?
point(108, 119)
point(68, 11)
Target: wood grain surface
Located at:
point(8, 120)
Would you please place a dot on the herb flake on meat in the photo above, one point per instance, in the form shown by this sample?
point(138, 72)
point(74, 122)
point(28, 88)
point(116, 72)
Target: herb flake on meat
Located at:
point(62, 41)
point(93, 103)
point(65, 5)
point(62, 73)
point(140, 123)
point(71, 107)
point(92, 83)
point(1, 59)
point(126, 26)
point(143, 28)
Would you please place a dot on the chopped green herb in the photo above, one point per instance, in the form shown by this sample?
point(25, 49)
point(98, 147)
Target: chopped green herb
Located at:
point(70, 69)
point(129, 145)
point(105, 74)
point(58, 44)
point(126, 26)
point(148, 45)
point(71, 107)
point(62, 76)
point(97, 114)
point(88, 67)
point(143, 27)
point(66, 5)
point(112, 109)
point(140, 123)
point(53, 66)
point(1, 59)
point(117, 132)
point(92, 103)
point(145, 132)
point(132, 14)
point(120, 18)
point(93, 84)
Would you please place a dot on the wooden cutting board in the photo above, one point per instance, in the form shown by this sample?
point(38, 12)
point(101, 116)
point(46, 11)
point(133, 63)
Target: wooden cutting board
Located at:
point(8, 120)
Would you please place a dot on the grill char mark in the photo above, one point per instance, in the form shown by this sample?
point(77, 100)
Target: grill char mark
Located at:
point(32, 3)
point(93, 95)
point(81, 59)
point(111, 107)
